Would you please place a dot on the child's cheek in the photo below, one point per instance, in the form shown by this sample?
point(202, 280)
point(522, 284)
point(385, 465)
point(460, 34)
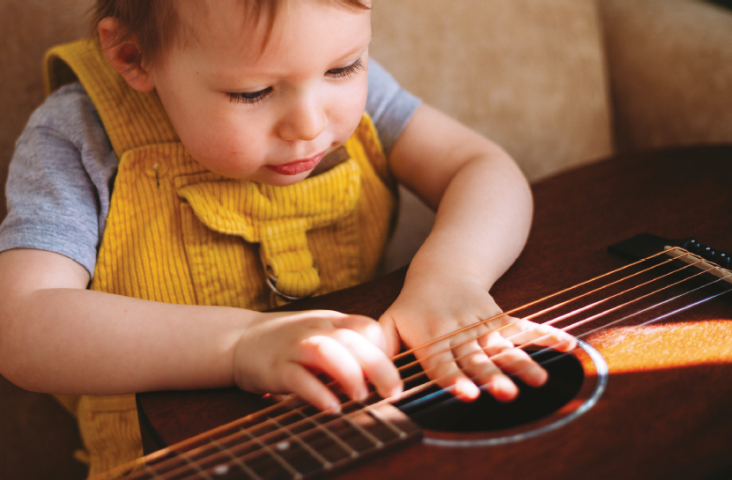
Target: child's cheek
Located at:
point(351, 105)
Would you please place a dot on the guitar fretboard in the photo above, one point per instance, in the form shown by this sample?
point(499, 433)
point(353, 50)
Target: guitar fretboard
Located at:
point(286, 441)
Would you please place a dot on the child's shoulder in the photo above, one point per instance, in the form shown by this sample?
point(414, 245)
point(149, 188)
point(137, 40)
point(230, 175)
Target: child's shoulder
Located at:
point(69, 112)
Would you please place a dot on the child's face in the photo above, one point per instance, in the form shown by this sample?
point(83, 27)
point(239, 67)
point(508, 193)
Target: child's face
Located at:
point(271, 115)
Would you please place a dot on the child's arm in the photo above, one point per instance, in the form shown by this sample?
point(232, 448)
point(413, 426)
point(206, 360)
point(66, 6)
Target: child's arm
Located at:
point(484, 210)
point(56, 336)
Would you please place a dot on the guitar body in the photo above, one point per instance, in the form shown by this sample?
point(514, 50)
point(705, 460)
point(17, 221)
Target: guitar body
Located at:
point(666, 409)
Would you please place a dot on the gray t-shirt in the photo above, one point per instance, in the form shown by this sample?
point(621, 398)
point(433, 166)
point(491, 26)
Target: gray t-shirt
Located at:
point(61, 176)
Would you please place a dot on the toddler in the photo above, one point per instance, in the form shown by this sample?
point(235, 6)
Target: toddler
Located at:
point(203, 161)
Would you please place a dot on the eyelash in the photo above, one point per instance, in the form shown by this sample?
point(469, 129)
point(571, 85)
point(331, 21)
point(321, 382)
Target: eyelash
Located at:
point(249, 97)
point(346, 71)
point(252, 98)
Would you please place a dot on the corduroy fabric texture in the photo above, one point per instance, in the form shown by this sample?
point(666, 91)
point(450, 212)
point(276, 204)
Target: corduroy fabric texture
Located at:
point(177, 233)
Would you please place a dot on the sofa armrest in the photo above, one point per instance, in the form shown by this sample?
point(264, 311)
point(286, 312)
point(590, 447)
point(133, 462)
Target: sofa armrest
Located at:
point(670, 65)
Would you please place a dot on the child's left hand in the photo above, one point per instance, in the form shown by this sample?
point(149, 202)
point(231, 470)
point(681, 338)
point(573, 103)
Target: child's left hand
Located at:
point(430, 307)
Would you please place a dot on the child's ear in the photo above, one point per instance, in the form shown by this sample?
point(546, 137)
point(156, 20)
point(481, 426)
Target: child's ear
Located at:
point(123, 56)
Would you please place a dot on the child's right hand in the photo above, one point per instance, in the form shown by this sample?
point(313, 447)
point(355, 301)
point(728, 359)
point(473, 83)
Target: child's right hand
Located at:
point(283, 352)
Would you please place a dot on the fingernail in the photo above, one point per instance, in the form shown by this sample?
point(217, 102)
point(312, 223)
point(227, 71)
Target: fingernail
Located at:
point(396, 391)
point(335, 408)
point(467, 389)
point(362, 394)
point(538, 377)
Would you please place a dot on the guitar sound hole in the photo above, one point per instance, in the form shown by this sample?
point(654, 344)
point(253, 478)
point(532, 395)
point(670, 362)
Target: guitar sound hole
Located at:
point(436, 409)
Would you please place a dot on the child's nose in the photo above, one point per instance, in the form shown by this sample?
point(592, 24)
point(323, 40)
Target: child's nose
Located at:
point(305, 121)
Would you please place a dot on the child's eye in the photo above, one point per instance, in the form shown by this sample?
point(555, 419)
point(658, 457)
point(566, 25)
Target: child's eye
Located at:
point(346, 71)
point(249, 97)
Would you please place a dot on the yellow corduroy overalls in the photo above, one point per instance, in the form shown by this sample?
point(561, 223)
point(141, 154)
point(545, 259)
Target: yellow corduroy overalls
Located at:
point(178, 233)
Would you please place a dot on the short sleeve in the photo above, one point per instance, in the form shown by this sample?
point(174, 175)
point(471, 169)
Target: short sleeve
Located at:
point(59, 180)
point(389, 105)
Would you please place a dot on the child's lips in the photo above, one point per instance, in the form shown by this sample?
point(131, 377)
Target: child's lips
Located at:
point(298, 166)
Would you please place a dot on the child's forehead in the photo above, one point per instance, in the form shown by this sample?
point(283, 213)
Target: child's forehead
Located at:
point(244, 24)
point(203, 22)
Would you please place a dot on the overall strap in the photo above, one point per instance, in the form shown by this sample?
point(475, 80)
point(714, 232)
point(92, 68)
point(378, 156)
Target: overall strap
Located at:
point(131, 119)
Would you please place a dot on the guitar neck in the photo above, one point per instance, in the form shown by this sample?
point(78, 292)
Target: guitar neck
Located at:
point(288, 440)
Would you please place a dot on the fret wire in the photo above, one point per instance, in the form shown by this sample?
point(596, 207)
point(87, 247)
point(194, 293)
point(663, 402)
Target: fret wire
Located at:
point(181, 468)
point(346, 447)
point(244, 467)
point(373, 439)
point(378, 416)
point(195, 465)
point(234, 436)
point(153, 472)
point(323, 461)
point(278, 458)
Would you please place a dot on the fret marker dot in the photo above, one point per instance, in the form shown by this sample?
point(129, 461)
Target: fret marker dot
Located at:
point(282, 446)
point(221, 469)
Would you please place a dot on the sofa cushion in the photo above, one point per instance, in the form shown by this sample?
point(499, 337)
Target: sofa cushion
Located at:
point(528, 74)
point(671, 71)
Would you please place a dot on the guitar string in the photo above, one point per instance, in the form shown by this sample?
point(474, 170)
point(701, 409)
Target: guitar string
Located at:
point(627, 317)
point(535, 341)
point(657, 318)
point(585, 321)
point(702, 272)
point(578, 324)
point(536, 302)
point(550, 322)
point(273, 407)
point(660, 317)
point(159, 455)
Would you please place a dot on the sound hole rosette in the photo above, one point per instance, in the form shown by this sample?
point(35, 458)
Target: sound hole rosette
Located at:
point(595, 379)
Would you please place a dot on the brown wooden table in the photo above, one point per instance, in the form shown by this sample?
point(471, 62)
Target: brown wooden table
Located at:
point(667, 409)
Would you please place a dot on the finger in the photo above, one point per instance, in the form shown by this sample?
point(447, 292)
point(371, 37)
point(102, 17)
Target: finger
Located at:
point(480, 368)
point(301, 381)
point(368, 328)
point(440, 366)
point(391, 335)
point(521, 332)
point(324, 353)
point(375, 364)
point(494, 343)
point(519, 363)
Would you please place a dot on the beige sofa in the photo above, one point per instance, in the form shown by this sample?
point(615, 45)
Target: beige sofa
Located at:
point(558, 83)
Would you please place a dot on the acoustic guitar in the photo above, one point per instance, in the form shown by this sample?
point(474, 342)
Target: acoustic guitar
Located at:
point(647, 393)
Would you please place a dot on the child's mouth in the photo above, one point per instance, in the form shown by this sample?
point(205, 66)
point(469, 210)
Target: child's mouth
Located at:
point(298, 166)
